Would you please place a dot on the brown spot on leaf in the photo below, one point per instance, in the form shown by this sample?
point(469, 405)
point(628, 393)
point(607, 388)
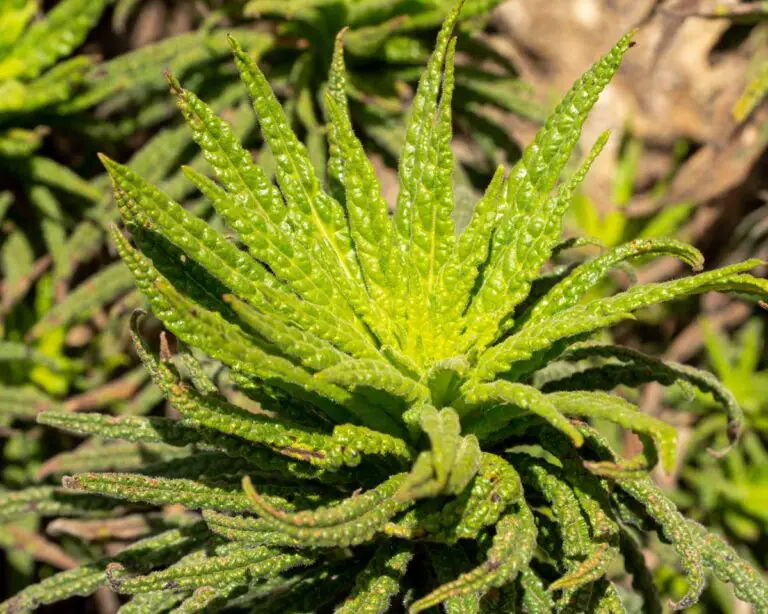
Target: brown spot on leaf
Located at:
point(492, 564)
point(301, 453)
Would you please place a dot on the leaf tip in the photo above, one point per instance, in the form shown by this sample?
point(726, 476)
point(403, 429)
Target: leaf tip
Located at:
point(340, 38)
point(234, 45)
point(173, 83)
point(106, 161)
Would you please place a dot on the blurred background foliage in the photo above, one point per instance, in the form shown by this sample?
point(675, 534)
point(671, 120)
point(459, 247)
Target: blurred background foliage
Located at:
point(686, 159)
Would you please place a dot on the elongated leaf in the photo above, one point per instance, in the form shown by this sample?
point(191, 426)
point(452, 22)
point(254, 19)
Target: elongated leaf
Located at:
point(505, 270)
point(414, 159)
point(50, 501)
point(458, 276)
point(144, 554)
point(235, 563)
point(369, 222)
point(675, 529)
point(665, 514)
point(448, 564)
point(251, 205)
point(24, 402)
point(151, 603)
point(95, 292)
point(316, 215)
point(200, 327)
point(514, 400)
point(569, 291)
point(161, 491)
point(570, 520)
point(94, 456)
point(191, 235)
point(604, 312)
point(353, 521)
point(247, 529)
point(378, 375)
point(615, 409)
point(748, 584)
point(641, 369)
point(310, 350)
point(432, 235)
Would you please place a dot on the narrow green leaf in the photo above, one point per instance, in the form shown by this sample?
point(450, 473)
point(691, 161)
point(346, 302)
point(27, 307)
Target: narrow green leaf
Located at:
point(378, 375)
point(158, 549)
point(571, 523)
point(413, 161)
point(231, 563)
point(246, 529)
point(193, 236)
point(96, 292)
point(369, 222)
point(210, 332)
point(574, 287)
point(749, 584)
point(639, 368)
point(151, 603)
point(353, 521)
point(95, 456)
point(676, 530)
point(458, 276)
point(160, 491)
point(510, 401)
point(615, 409)
point(50, 501)
point(581, 319)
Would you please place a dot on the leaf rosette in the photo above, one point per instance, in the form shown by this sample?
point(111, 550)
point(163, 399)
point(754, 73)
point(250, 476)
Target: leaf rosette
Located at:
point(423, 404)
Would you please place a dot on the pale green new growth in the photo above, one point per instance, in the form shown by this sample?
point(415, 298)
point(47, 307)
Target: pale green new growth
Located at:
point(408, 422)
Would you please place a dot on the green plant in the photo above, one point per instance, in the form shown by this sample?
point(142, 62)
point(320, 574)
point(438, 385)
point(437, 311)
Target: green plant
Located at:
point(730, 494)
point(108, 102)
point(390, 357)
point(68, 356)
point(34, 84)
point(71, 213)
